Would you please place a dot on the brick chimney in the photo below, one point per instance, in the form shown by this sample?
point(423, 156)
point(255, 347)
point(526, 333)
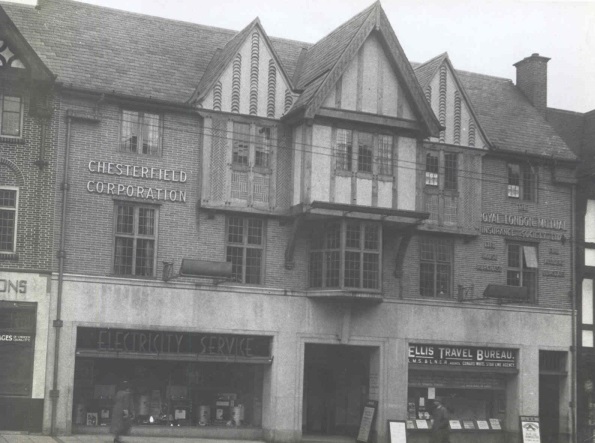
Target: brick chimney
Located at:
point(531, 78)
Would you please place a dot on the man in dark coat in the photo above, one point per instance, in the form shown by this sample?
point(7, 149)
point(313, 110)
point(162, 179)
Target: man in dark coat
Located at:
point(440, 426)
point(122, 412)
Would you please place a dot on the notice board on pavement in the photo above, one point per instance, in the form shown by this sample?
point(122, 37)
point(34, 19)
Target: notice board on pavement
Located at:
point(530, 429)
point(368, 416)
point(397, 431)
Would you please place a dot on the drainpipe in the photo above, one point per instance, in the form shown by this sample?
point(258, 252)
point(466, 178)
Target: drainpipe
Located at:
point(573, 291)
point(57, 324)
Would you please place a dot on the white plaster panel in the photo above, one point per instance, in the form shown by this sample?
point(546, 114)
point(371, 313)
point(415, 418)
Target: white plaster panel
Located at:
point(321, 163)
point(35, 291)
point(435, 98)
point(364, 191)
point(407, 110)
point(226, 82)
point(349, 86)
point(342, 189)
point(371, 52)
point(451, 87)
point(385, 194)
point(246, 53)
point(297, 164)
point(207, 102)
point(390, 96)
point(263, 80)
point(406, 173)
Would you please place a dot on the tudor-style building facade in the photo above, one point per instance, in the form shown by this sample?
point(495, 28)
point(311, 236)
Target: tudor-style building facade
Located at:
point(273, 233)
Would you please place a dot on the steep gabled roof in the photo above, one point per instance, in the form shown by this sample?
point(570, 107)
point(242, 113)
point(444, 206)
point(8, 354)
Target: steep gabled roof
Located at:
point(427, 71)
point(108, 50)
point(10, 32)
point(222, 58)
point(329, 58)
point(508, 118)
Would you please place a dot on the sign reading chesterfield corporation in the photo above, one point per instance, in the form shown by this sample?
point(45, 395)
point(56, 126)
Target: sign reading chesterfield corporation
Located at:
point(164, 193)
point(462, 356)
point(516, 225)
point(163, 342)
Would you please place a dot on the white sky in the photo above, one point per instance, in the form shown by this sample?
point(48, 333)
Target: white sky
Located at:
point(479, 35)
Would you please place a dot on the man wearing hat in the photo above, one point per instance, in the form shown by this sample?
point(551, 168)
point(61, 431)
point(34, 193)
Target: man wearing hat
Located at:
point(440, 426)
point(122, 412)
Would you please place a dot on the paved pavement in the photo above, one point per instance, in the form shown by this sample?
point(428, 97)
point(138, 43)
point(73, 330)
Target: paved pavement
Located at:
point(16, 437)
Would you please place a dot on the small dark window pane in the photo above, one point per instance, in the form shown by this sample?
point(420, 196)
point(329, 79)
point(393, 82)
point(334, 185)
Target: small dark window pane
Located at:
point(431, 169)
point(371, 238)
point(344, 149)
point(254, 232)
point(352, 239)
point(124, 255)
point(125, 220)
point(144, 257)
point(371, 271)
point(316, 269)
point(352, 269)
point(333, 236)
point(7, 225)
point(253, 261)
point(514, 181)
point(333, 266)
point(241, 143)
point(263, 147)
point(450, 171)
point(235, 230)
point(365, 145)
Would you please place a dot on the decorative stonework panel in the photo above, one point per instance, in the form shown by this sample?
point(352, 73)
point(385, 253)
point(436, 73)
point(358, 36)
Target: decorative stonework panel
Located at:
point(8, 58)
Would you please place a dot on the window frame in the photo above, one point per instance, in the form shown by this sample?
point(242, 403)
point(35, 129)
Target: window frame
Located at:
point(135, 236)
point(527, 174)
point(435, 242)
point(21, 116)
point(140, 125)
point(440, 175)
point(326, 251)
point(245, 246)
point(349, 155)
point(524, 271)
point(16, 218)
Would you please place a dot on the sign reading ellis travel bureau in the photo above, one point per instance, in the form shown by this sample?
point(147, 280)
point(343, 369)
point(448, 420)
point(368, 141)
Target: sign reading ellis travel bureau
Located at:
point(162, 193)
point(539, 228)
point(424, 354)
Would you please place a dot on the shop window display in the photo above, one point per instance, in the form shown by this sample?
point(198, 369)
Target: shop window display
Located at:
point(170, 393)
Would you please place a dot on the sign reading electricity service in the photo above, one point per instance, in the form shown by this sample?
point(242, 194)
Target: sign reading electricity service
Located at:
point(468, 356)
point(158, 192)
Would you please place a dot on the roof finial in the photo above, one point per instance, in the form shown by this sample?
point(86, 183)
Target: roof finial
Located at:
point(378, 9)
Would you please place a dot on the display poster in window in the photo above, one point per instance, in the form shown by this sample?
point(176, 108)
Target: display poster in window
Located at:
point(530, 429)
point(483, 425)
point(397, 431)
point(462, 356)
point(495, 424)
point(455, 424)
point(368, 416)
point(410, 424)
point(468, 424)
point(422, 424)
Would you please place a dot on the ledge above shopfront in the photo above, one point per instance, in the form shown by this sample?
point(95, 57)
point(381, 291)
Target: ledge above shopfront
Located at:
point(345, 295)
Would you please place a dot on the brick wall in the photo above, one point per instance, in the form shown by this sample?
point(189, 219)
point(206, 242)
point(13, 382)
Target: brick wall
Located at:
point(18, 167)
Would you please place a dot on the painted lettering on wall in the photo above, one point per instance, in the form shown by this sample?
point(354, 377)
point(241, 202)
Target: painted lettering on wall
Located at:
point(142, 172)
point(13, 286)
point(160, 342)
point(523, 220)
point(462, 356)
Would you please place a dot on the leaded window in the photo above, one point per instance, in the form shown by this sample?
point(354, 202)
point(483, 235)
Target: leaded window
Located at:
point(436, 267)
point(11, 116)
point(432, 169)
point(365, 150)
point(241, 144)
point(522, 182)
point(344, 149)
point(522, 267)
point(141, 133)
point(136, 230)
point(385, 154)
point(8, 219)
point(245, 248)
point(346, 255)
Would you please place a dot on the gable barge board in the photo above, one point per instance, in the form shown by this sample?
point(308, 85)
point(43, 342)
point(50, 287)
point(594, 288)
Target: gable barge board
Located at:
point(372, 119)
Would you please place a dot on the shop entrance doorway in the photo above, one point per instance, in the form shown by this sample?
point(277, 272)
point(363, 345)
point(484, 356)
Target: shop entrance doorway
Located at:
point(336, 383)
point(549, 405)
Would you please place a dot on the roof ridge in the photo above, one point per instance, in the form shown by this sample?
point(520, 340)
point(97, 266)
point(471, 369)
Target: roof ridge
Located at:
point(479, 74)
point(421, 65)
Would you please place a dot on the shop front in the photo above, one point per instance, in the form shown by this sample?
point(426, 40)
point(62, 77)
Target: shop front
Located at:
point(196, 383)
point(471, 382)
point(23, 339)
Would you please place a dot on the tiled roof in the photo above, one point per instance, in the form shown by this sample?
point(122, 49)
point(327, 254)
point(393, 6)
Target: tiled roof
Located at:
point(569, 125)
point(324, 54)
point(510, 121)
point(109, 50)
point(426, 71)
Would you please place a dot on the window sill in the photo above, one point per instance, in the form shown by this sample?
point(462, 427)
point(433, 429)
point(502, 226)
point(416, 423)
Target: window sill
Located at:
point(12, 140)
point(9, 256)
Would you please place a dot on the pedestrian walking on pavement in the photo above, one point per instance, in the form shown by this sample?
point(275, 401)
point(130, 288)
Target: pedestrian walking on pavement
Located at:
point(122, 412)
point(440, 426)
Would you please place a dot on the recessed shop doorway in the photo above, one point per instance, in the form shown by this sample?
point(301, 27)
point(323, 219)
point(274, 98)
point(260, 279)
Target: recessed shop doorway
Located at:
point(336, 384)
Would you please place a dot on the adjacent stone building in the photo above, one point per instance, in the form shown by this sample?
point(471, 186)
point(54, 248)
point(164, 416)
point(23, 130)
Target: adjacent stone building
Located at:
point(265, 236)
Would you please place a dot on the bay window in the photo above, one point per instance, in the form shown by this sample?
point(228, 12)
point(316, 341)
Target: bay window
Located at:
point(346, 254)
